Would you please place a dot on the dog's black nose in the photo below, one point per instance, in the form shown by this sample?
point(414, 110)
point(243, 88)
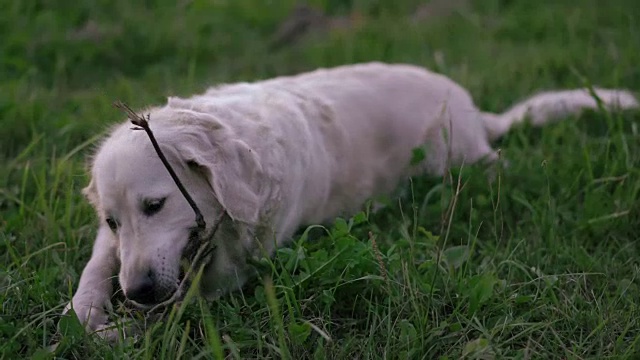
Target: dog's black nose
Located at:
point(142, 290)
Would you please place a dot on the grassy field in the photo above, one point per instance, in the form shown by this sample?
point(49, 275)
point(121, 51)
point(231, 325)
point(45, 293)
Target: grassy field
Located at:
point(542, 263)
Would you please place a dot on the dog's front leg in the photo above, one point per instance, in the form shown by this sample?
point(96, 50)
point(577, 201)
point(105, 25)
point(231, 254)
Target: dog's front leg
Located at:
point(92, 300)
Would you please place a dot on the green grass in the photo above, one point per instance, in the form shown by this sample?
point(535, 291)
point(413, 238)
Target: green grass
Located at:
point(542, 263)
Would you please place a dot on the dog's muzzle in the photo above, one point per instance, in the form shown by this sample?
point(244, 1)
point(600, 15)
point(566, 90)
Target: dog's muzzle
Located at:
point(195, 256)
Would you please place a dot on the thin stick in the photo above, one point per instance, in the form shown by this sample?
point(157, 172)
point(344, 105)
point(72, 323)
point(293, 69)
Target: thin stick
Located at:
point(143, 124)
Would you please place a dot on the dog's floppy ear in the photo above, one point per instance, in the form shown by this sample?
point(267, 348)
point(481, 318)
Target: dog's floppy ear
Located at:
point(235, 174)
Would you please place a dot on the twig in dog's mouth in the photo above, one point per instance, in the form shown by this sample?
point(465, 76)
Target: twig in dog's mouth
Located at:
point(204, 239)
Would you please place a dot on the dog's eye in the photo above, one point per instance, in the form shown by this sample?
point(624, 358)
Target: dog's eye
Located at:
point(113, 224)
point(152, 206)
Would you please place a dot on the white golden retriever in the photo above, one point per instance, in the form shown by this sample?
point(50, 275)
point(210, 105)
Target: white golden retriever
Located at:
point(277, 155)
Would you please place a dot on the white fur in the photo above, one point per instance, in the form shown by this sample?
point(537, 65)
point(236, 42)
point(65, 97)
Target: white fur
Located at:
point(280, 154)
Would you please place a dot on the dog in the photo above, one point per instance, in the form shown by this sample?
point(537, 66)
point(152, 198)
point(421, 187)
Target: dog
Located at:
point(273, 156)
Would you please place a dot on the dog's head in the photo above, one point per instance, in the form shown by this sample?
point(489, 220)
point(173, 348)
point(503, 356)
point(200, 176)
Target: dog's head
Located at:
point(151, 221)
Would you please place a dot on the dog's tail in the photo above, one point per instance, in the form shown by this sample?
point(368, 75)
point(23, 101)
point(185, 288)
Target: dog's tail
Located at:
point(554, 105)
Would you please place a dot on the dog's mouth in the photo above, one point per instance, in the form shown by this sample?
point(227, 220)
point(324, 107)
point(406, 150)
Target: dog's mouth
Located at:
point(167, 295)
point(174, 295)
point(196, 253)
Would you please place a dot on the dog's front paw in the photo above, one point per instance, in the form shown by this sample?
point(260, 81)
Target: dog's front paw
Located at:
point(91, 313)
point(96, 321)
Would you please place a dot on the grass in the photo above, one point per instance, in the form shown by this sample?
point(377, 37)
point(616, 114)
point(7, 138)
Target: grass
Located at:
point(541, 263)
